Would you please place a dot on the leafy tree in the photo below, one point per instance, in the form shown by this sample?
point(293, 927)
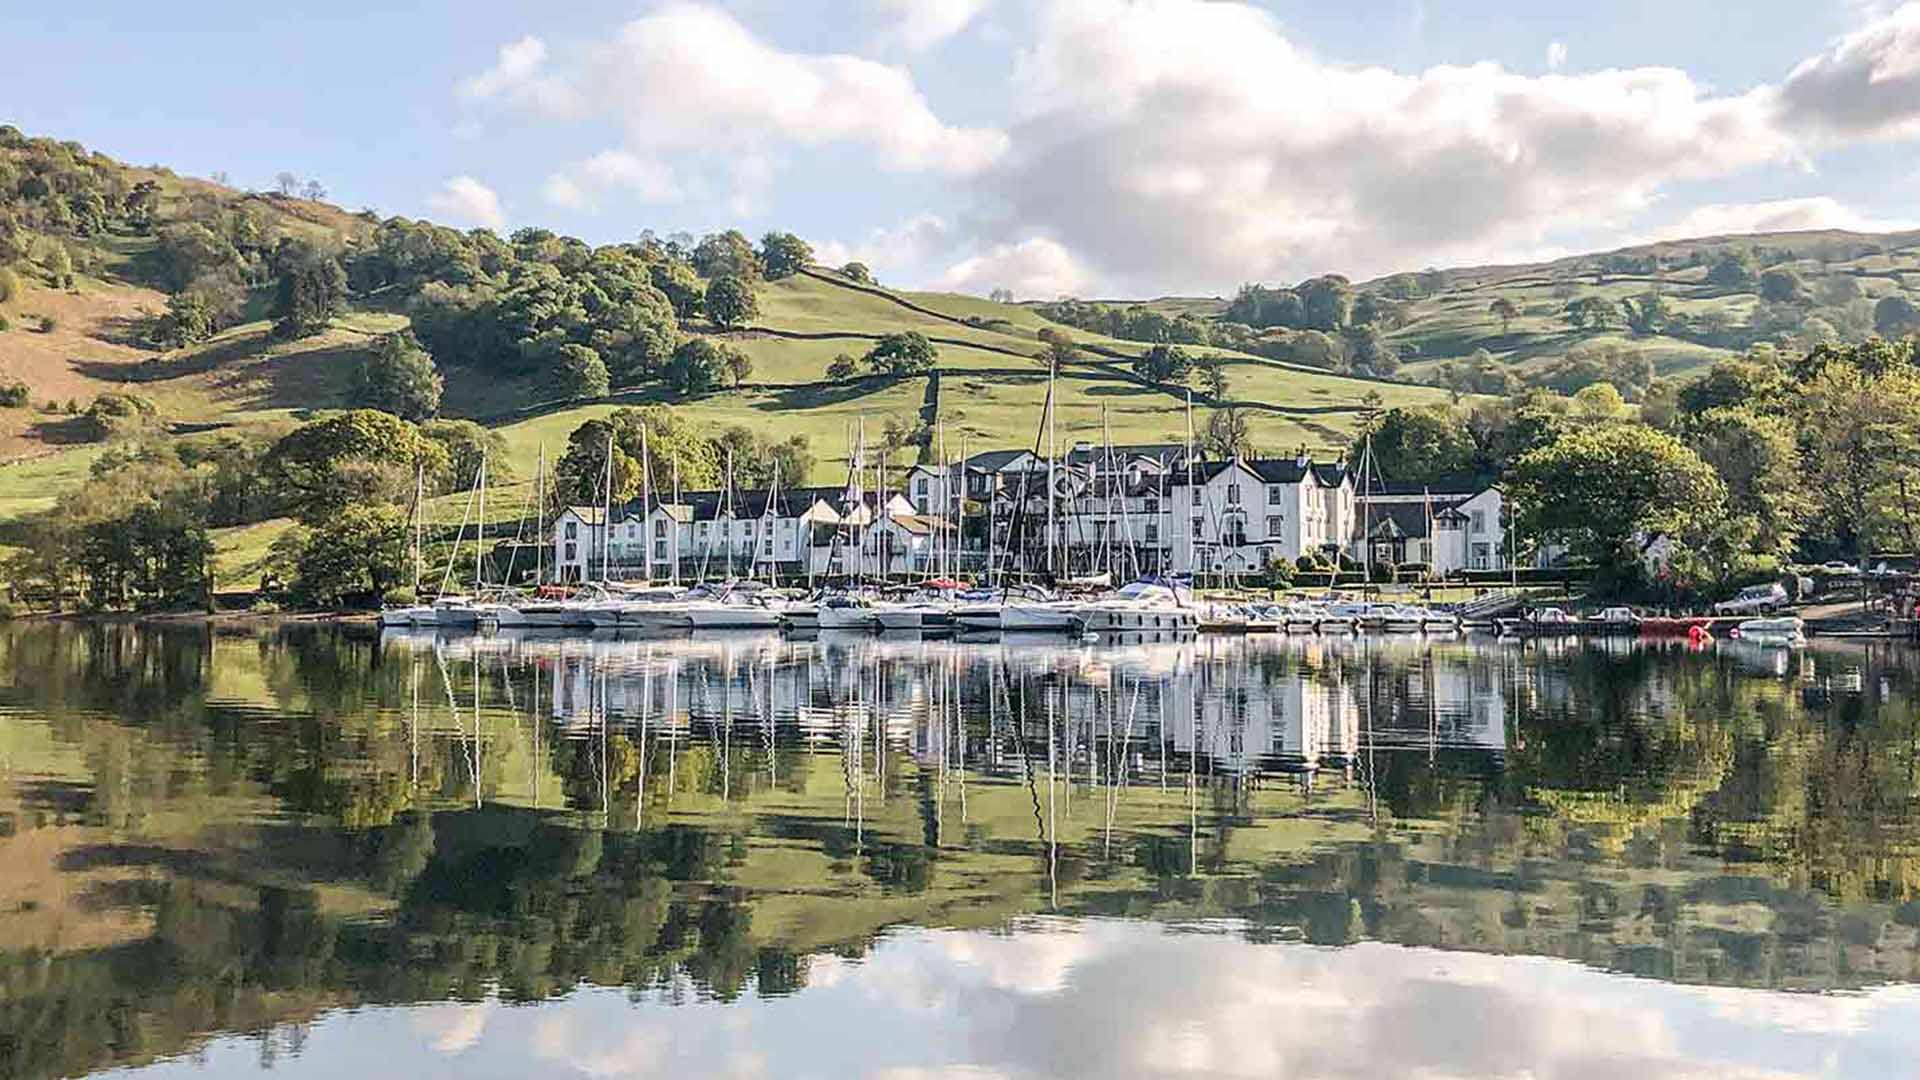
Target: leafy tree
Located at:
point(843, 368)
point(1370, 353)
point(857, 272)
point(739, 366)
point(114, 414)
point(1327, 302)
point(698, 366)
point(677, 281)
point(674, 446)
point(1163, 365)
point(1734, 272)
point(188, 320)
point(580, 373)
point(1599, 401)
point(758, 459)
point(59, 265)
point(727, 254)
point(784, 254)
point(901, 354)
point(1417, 445)
point(1895, 316)
point(1603, 488)
point(730, 301)
point(1212, 371)
point(1646, 313)
point(311, 290)
point(398, 377)
point(1504, 310)
point(465, 443)
point(1734, 384)
point(1859, 431)
point(358, 551)
point(359, 456)
point(1782, 286)
point(1589, 312)
point(1758, 458)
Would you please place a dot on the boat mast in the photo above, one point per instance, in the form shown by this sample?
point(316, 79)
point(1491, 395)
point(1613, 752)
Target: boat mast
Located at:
point(1192, 567)
point(646, 505)
point(1053, 371)
point(480, 531)
point(606, 515)
point(540, 496)
point(674, 574)
point(419, 511)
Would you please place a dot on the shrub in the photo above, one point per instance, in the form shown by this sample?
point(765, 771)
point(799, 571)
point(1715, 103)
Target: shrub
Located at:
point(9, 284)
point(4, 324)
point(14, 394)
point(48, 324)
point(401, 596)
point(114, 414)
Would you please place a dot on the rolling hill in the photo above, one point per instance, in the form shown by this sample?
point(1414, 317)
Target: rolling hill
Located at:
point(80, 323)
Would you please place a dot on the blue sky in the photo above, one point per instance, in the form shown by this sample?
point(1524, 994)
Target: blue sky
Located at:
point(1108, 147)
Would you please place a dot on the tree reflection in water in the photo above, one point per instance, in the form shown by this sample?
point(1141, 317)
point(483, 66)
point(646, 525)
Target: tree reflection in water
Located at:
point(218, 832)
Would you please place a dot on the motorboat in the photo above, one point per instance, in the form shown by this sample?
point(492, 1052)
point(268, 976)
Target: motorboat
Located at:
point(1139, 606)
point(411, 615)
point(1045, 617)
point(847, 611)
point(1401, 618)
point(1439, 622)
point(1780, 628)
point(455, 611)
point(1302, 618)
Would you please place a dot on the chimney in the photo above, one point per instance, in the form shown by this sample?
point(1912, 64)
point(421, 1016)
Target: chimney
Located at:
point(1301, 459)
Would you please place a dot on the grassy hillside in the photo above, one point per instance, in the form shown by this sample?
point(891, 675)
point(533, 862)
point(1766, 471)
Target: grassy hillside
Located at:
point(1446, 315)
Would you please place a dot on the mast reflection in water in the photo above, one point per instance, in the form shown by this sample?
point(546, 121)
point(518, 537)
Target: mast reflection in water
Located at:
point(318, 851)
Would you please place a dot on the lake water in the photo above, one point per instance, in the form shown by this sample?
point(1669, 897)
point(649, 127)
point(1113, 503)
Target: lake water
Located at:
point(319, 852)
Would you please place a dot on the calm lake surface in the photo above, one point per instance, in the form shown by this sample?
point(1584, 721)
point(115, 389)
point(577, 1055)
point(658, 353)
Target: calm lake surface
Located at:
point(324, 852)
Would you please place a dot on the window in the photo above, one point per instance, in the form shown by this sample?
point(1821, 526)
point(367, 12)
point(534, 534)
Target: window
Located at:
point(1479, 521)
point(1274, 525)
point(659, 529)
point(1197, 496)
point(1274, 493)
point(767, 548)
point(573, 531)
point(1153, 506)
point(659, 549)
point(573, 554)
point(1196, 526)
point(1482, 556)
point(1233, 494)
point(1153, 533)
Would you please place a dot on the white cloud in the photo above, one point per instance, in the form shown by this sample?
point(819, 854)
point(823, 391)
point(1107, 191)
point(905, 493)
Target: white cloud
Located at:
point(467, 201)
point(516, 75)
point(1556, 55)
point(1865, 86)
point(1192, 145)
point(1036, 267)
point(580, 186)
point(688, 82)
point(918, 25)
point(896, 251)
point(1779, 215)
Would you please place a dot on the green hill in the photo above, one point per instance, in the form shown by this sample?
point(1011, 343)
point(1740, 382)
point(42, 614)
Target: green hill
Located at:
point(93, 252)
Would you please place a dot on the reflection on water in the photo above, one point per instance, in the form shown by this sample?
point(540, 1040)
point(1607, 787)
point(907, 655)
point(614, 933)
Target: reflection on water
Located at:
point(317, 851)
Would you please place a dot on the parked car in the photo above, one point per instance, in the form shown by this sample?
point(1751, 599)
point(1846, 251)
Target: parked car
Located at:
point(1551, 615)
point(1839, 569)
point(1618, 616)
point(1754, 599)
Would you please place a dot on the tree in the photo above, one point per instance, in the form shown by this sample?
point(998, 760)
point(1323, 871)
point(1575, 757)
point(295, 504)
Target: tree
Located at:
point(727, 254)
point(465, 444)
point(286, 183)
point(359, 456)
point(1227, 434)
point(843, 368)
point(1212, 371)
point(1599, 401)
point(730, 301)
point(1646, 313)
point(59, 265)
point(312, 288)
point(1758, 459)
point(1417, 445)
point(697, 366)
point(857, 272)
point(1326, 302)
point(1001, 296)
point(784, 254)
point(1589, 312)
point(359, 551)
point(1782, 286)
point(1163, 365)
point(1504, 310)
point(1602, 489)
point(580, 373)
point(679, 284)
point(1733, 272)
point(1859, 431)
point(739, 366)
point(398, 377)
point(1734, 384)
point(313, 191)
point(907, 353)
point(1370, 353)
point(1895, 316)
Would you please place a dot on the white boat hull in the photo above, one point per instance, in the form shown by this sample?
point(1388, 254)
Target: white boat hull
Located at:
point(1039, 618)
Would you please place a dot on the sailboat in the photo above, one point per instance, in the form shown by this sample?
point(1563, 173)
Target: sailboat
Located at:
point(413, 614)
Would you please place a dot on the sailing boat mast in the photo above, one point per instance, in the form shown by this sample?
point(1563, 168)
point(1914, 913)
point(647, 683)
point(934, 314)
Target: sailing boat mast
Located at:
point(480, 531)
point(419, 511)
point(1053, 372)
point(606, 516)
point(540, 497)
point(1192, 565)
point(646, 504)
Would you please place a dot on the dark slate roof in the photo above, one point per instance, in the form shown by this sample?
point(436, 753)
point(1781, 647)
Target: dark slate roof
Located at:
point(1280, 470)
point(1398, 519)
point(1330, 474)
point(995, 460)
point(1165, 453)
point(1461, 486)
